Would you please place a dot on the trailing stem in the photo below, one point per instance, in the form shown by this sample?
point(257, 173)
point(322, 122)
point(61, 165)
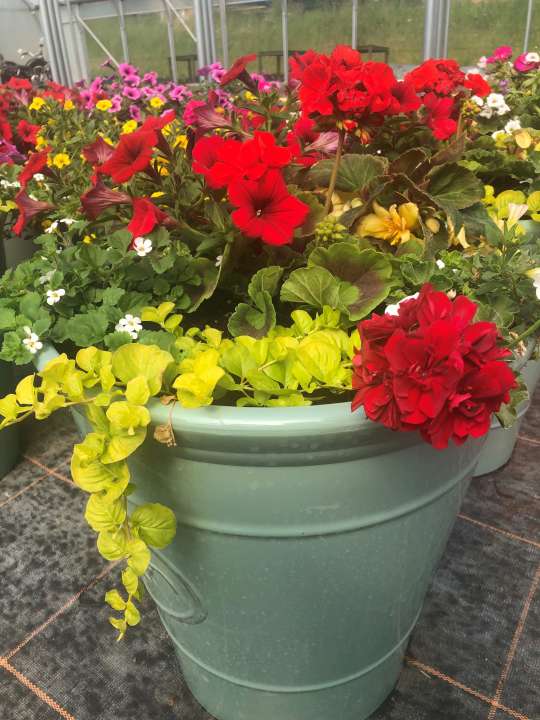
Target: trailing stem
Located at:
point(534, 327)
point(333, 177)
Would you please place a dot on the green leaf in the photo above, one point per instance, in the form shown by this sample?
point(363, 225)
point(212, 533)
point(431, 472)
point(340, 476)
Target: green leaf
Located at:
point(354, 174)
point(254, 321)
point(138, 556)
point(313, 286)
point(86, 329)
point(137, 391)
point(30, 305)
point(115, 600)
point(132, 615)
point(112, 547)
point(112, 295)
point(103, 514)
point(7, 319)
point(147, 361)
point(154, 523)
point(265, 280)
point(455, 187)
point(130, 580)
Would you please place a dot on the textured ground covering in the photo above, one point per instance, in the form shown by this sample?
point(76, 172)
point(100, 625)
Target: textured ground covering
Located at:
point(474, 654)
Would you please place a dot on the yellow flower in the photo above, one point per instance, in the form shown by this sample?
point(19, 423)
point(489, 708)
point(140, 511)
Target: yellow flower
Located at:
point(489, 195)
point(181, 141)
point(456, 239)
point(40, 142)
point(157, 194)
point(36, 104)
point(250, 96)
point(61, 160)
point(394, 224)
point(157, 102)
point(129, 126)
point(89, 239)
point(103, 105)
point(69, 105)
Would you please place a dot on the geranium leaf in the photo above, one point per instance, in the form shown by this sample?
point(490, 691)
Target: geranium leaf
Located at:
point(354, 174)
point(313, 286)
point(455, 187)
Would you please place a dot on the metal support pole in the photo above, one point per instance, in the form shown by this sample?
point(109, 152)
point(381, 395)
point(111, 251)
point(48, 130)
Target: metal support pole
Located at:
point(172, 46)
point(94, 37)
point(430, 28)
point(209, 15)
point(181, 20)
point(224, 33)
point(51, 54)
point(443, 21)
point(354, 34)
point(123, 33)
point(57, 39)
point(77, 43)
point(528, 26)
point(199, 31)
point(285, 36)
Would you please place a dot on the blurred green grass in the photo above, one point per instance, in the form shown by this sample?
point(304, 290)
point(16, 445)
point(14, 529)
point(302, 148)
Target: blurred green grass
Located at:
point(476, 28)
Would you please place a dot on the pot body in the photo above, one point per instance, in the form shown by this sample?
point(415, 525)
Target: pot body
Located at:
point(9, 437)
point(531, 375)
point(307, 538)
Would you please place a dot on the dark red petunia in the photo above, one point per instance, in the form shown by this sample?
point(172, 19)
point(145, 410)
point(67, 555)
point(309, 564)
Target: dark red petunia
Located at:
point(35, 164)
point(266, 209)
point(146, 216)
point(28, 208)
point(237, 69)
point(99, 198)
point(28, 132)
point(132, 155)
point(97, 152)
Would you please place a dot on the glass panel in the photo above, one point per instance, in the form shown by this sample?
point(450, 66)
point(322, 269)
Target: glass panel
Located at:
point(392, 29)
point(319, 24)
point(255, 28)
point(478, 27)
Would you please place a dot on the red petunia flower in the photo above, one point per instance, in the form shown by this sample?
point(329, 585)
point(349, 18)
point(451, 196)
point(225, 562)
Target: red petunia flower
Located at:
point(6, 133)
point(146, 216)
point(97, 152)
point(158, 123)
point(99, 198)
point(28, 132)
point(35, 164)
point(431, 368)
point(266, 209)
point(237, 69)
point(16, 83)
point(132, 155)
point(28, 208)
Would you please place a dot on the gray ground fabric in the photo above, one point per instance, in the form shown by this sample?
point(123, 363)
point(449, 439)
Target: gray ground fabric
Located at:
point(475, 653)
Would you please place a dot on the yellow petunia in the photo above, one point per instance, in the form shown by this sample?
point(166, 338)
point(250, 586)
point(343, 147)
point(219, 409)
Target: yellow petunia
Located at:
point(61, 160)
point(103, 105)
point(157, 102)
point(129, 126)
point(181, 141)
point(69, 105)
point(40, 142)
point(89, 239)
point(394, 225)
point(36, 104)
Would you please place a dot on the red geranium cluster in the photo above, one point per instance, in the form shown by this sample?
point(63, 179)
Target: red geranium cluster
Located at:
point(431, 368)
point(341, 87)
point(251, 172)
point(442, 84)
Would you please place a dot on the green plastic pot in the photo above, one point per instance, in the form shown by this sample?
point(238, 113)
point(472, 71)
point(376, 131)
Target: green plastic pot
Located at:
point(307, 538)
point(9, 437)
point(501, 441)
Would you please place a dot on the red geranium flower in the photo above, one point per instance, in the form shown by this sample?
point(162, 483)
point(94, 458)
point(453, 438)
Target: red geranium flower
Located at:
point(438, 115)
point(28, 132)
point(36, 163)
point(146, 216)
point(132, 155)
point(27, 209)
point(16, 83)
point(238, 68)
point(477, 85)
point(266, 209)
point(431, 368)
point(5, 130)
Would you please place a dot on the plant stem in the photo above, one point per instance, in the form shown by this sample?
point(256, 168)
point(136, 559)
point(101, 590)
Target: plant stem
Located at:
point(333, 177)
point(534, 327)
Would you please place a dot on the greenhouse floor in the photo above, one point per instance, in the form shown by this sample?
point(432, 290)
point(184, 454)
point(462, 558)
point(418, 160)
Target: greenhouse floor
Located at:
point(474, 654)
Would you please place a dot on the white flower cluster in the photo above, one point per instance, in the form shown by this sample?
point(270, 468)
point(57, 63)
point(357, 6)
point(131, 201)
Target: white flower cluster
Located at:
point(8, 184)
point(130, 324)
point(509, 128)
point(31, 342)
point(493, 104)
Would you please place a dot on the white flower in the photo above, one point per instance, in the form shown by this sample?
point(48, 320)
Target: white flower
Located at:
point(511, 125)
point(486, 112)
point(440, 264)
point(495, 100)
point(477, 100)
point(39, 177)
point(534, 274)
point(516, 211)
point(219, 260)
point(503, 109)
point(394, 309)
point(142, 246)
point(451, 294)
point(497, 133)
point(532, 57)
point(8, 184)
point(67, 221)
point(130, 324)
point(52, 227)
point(54, 296)
point(482, 62)
point(46, 277)
point(31, 342)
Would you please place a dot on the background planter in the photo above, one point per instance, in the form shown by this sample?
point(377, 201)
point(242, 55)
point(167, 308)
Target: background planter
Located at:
point(501, 441)
point(9, 437)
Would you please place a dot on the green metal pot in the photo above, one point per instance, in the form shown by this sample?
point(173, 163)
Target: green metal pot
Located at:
point(9, 437)
point(307, 538)
point(531, 375)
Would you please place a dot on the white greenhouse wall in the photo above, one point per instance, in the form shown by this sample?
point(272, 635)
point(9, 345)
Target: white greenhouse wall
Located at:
point(19, 28)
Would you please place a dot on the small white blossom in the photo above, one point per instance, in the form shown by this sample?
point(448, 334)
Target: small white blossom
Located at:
point(495, 100)
point(477, 100)
point(8, 184)
point(451, 294)
point(52, 227)
point(534, 274)
point(532, 57)
point(142, 246)
point(497, 133)
point(440, 264)
point(503, 109)
point(39, 177)
point(482, 62)
point(394, 309)
point(130, 324)
point(219, 260)
point(67, 221)
point(511, 125)
point(46, 277)
point(31, 342)
point(54, 296)
point(486, 112)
